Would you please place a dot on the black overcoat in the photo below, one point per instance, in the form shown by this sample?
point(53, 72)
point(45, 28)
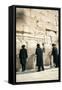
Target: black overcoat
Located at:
point(23, 56)
point(55, 55)
point(39, 55)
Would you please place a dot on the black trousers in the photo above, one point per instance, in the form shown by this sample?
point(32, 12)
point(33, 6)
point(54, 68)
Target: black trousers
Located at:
point(55, 60)
point(39, 68)
point(23, 67)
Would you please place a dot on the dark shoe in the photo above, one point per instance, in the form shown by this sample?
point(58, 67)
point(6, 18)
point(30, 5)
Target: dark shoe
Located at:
point(23, 70)
point(38, 70)
point(43, 69)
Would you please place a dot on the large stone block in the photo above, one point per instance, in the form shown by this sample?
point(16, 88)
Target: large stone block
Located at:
point(31, 63)
point(18, 66)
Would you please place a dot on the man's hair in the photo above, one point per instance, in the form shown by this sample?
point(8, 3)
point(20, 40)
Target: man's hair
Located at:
point(23, 46)
point(53, 44)
point(38, 45)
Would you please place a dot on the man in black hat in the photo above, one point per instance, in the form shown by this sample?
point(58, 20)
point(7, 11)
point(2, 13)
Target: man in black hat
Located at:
point(23, 56)
point(39, 54)
point(55, 55)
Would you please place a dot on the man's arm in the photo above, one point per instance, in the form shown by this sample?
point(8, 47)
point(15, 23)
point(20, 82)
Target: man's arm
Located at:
point(26, 54)
point(36, 52)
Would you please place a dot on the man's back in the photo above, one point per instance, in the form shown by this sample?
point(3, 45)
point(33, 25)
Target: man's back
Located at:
point(23, 53)
point(39, 51)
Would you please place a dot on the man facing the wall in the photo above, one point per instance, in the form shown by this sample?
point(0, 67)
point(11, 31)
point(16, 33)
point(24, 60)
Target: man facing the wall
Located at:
point(39, 55)
point(23, 56)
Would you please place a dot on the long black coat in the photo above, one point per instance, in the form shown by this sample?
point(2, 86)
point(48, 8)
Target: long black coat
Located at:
point(23, 56)
point(55, 55)
point(39, 54)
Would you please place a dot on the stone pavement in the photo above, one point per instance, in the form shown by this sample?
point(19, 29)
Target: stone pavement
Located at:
point(33, 75)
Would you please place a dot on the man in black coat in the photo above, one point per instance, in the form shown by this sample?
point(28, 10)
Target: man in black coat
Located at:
point(23, 56)
point(55, 55)
point(39, 54)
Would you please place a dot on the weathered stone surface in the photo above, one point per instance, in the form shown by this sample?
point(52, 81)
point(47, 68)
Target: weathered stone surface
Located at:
point(18, 66)
point(36, 26)
point(31, 63)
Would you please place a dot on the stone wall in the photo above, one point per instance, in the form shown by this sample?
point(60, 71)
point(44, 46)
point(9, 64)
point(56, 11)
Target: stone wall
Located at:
point(36, 26)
